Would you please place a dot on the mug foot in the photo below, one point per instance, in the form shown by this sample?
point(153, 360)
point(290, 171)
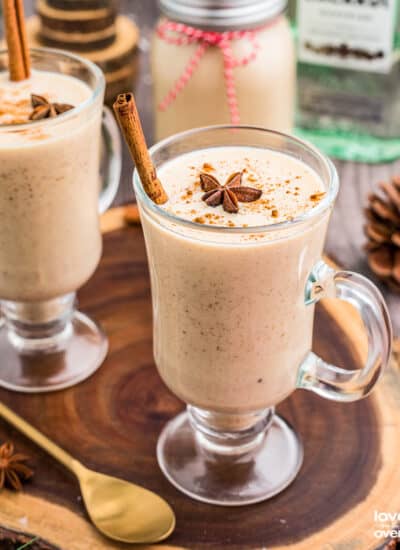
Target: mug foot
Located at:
point(200, 470)
point(52, 363)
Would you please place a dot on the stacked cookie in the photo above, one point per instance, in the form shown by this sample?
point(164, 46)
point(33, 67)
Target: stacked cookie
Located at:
point(93, 29)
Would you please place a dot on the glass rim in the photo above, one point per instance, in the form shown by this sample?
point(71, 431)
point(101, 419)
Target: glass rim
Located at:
point(95, 92)
point(323, 205)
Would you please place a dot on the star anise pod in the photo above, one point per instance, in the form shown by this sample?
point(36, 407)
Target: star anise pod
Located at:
point(13, 470)
point(229, 194)
point(42, 108)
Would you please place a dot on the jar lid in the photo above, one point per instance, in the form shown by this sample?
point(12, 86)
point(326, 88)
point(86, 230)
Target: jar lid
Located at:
point(222, 14)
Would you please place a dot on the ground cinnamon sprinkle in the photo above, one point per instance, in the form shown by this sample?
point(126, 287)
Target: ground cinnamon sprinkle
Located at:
point(15, 120)
point(207, 167)
point(35, 134)
point(317, 196)
point(284, 193)
point(187, 194)
point(254, 237)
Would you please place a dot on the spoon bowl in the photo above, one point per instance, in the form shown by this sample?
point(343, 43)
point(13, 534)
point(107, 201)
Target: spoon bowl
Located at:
point(120, 510)
point(123, 511)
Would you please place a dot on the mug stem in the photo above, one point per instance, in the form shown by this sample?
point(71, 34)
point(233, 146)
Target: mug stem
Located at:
point(39, 326)
point(48, 345)
point(229, 434)
point(229, 459)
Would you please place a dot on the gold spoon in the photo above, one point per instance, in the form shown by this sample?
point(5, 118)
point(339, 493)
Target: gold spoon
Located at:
point(120, 510)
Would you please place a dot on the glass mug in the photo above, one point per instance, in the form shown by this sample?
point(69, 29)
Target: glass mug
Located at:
point(233, 323)
point(51, 194)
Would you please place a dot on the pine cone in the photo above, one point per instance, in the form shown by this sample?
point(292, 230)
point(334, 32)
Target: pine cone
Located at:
point(383, 232)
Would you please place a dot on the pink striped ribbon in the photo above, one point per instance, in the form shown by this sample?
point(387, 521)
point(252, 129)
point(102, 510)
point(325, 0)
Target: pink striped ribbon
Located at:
point(181, 35)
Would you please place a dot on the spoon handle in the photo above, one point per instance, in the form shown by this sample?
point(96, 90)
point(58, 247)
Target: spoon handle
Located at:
point(36, 436)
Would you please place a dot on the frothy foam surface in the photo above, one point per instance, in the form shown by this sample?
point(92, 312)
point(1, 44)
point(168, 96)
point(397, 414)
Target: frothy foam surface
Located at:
point(15, 97)
point(289, 187)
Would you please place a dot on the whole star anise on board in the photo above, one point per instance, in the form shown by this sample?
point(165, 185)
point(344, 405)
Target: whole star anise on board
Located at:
point(42, 108)
point(13, 469)
point(229, 194)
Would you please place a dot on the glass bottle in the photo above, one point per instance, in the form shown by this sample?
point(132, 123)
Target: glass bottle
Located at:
point(349, 66)
point(224, 62)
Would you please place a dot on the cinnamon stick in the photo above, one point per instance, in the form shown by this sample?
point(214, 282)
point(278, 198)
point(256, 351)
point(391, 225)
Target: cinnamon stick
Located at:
point(18, 51)
point(128, 118)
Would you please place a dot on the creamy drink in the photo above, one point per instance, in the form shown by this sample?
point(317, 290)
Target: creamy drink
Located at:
point(231, 61)
point(53, 185)
point(231, 327)
point(50, 241)
point(265, 87)
point(236, 268)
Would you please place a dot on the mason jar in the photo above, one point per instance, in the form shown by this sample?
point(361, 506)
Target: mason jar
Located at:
point(223, 62)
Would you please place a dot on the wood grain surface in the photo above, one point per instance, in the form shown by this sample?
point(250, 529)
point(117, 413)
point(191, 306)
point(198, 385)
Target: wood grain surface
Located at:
point(111, 422)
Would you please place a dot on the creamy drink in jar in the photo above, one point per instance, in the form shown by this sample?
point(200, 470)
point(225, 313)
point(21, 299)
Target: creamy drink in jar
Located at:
point(235, 258)
point(230, 330)
point(51, 191)
point(223, 62)
point(50, 241)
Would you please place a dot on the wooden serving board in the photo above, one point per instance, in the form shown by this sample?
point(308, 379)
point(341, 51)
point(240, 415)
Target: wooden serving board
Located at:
point(111, 422)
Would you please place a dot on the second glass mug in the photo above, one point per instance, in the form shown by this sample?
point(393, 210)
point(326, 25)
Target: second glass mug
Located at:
point(50, 240)
point(233, 322)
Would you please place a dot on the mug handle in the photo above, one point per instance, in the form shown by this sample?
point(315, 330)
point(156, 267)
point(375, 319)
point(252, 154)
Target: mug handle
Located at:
point(111, 171)
point(328, 380)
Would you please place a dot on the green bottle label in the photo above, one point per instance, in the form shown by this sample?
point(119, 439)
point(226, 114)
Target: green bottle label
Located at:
point(350, 34)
